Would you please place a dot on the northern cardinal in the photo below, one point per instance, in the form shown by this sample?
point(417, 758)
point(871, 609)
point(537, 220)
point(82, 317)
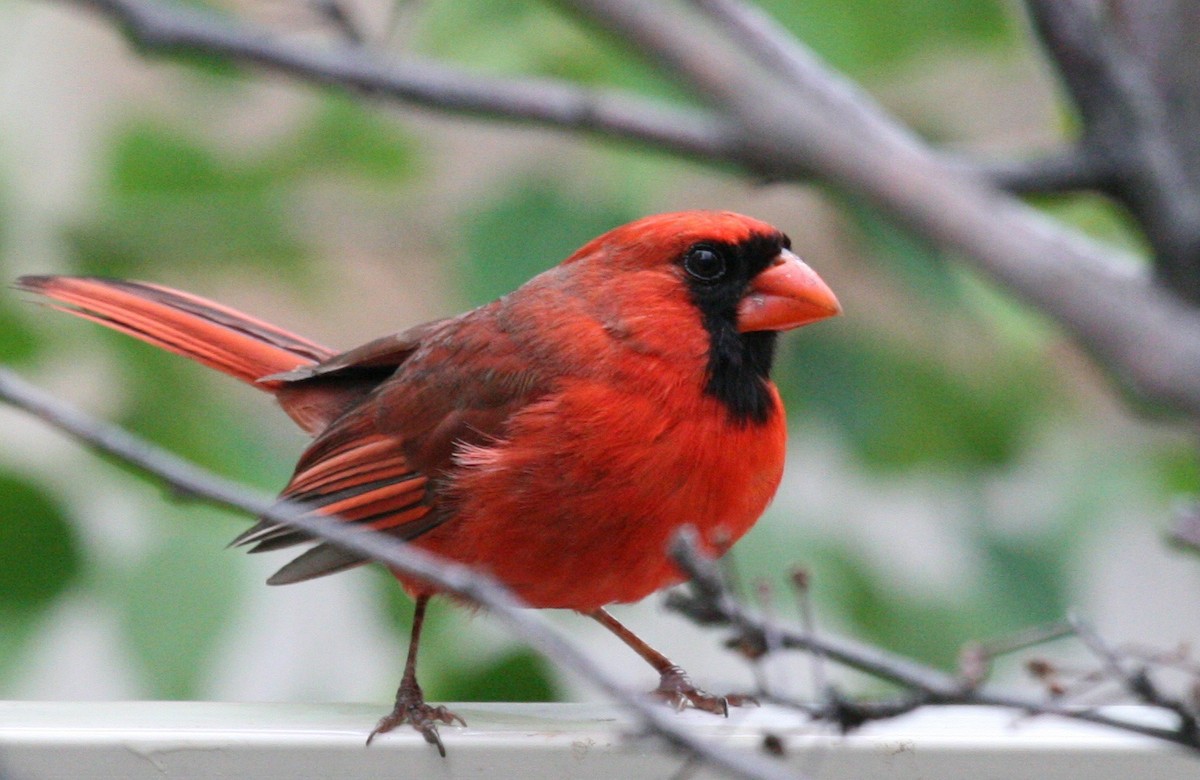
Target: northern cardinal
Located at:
point(556, 438)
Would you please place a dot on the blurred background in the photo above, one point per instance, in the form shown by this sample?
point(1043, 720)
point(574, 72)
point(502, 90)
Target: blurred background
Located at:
point(957, 469)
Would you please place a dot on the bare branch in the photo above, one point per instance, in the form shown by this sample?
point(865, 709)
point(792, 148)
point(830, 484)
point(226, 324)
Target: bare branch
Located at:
point(808, 121)
point(762, 38)
point(1104, 299)
point(1137, 681)
point(1131, 122)
point(164, 28)
point(710, 599)
point(1069, 170)
point(190, 480)
point(711, 603)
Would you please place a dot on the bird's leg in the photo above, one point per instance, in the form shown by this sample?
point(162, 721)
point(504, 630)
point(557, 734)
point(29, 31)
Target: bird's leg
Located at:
point(410, 706)
point(674, 687)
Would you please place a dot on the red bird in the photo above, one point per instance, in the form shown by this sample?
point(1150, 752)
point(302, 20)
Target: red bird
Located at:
point(556, 438)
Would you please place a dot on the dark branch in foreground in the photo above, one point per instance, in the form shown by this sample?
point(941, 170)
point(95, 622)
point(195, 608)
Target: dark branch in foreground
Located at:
point(708, 601)
point(187, 479)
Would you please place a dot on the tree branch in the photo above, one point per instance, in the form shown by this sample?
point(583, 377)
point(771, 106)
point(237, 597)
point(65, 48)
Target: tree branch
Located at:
point(1149, 338)
point(189, 480)
point(1129, 121)
point(163, 27)
point(710, 603)
point(807, 121)
point(1068, 170)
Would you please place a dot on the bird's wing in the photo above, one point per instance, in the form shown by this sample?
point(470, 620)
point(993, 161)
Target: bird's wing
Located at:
point(379, 466)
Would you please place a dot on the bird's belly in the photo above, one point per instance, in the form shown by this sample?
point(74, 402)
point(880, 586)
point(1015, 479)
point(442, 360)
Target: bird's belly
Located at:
point(579, 514)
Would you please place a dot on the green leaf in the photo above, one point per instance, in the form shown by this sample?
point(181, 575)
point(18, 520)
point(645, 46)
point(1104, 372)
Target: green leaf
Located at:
point(19, 627)
point(899, 409)
point(18, 342)
point(203, 416)
point(926, 628)
point(171, 200)
point(1178, 469)
point(915, 262)
point(348, 137)
point(536, 39)
point(1028, 579)
point(533, 227)
point(866, 36)
point(40, 554)
point(520, 675)
point(177, 602)
point(1100, 218)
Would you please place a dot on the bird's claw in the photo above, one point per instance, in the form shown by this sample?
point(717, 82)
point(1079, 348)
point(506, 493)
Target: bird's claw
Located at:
point(680, 693)
point(412, 709)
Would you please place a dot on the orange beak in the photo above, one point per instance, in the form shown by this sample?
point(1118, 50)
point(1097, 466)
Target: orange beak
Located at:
point(786, 295)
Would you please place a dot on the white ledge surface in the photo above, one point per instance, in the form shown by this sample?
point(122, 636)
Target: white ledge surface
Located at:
point(134, 740)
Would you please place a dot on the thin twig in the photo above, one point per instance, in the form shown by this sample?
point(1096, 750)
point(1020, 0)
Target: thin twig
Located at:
point(336, 13)
point(928, 685)
point(808, 621)
point(448, 576)
point(1137, 681)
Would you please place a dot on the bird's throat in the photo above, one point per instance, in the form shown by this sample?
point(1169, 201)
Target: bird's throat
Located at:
point(739, 366)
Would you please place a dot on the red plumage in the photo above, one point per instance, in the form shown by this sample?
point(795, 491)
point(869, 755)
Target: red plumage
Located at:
point(557, 437)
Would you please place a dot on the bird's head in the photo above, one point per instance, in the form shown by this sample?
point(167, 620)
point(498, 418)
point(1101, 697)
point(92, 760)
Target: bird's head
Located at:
point(735, 267)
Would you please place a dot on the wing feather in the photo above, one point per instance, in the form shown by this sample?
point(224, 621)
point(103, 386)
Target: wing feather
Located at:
point(379, 466)
point(367, 482)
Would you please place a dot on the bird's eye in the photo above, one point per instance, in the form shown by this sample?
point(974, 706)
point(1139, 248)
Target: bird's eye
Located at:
point(704, 263)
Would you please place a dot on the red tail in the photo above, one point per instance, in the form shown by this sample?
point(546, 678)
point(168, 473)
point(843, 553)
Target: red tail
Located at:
point(207, 332)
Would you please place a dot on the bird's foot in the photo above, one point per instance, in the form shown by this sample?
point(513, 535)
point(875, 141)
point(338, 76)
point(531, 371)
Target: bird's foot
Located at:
point(679, 692)
point(411, 708)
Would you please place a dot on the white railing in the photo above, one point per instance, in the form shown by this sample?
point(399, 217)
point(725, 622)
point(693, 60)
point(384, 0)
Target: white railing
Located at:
point(175, 740)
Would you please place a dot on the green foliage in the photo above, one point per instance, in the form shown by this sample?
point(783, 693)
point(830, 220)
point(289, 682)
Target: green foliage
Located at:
point(918, 265)
point(858, 36)
point(347, 138)
point(1026, 580)
point(1178, 469)
point(1020, 580)
point(40, 559)
point(174, 199)
point(176, 602)
point(867, 36)
point(899, 409)
point(39, 551)
point(520, 675)
point(1099, 217)
point(531, 227)
point(537, 39)
point(18, 342)
point(905, 408)
point(923, 627)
